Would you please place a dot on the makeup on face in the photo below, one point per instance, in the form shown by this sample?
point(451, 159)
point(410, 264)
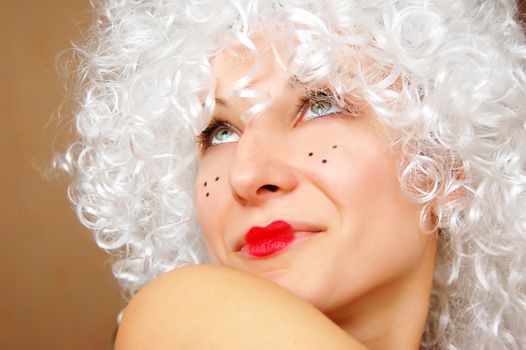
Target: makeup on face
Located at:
point(261, 242)
point(205, 184)
point(264, 241)
point(312, 105)
point(324, 161)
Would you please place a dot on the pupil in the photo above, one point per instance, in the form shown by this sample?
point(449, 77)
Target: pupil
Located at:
point(222, 133)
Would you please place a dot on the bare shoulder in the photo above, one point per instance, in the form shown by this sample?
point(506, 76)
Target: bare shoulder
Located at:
point(213, 307)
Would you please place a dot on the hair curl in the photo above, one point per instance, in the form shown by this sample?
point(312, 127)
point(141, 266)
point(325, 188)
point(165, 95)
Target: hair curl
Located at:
point(449, 75)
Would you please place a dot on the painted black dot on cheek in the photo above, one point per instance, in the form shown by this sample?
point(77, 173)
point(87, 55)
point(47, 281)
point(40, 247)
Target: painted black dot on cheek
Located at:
point(205, 184)
point(217, 178)
point(207, 194)
point(324, 161)
point(311, 154)
point(334, 146)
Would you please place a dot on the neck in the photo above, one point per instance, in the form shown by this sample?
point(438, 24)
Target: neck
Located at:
point(394, 316)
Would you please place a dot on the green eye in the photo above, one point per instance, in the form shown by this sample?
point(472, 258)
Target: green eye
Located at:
point(223, 135)
point(321, 107)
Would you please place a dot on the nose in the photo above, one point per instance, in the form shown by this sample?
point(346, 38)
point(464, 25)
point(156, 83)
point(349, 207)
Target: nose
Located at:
point(260, 170)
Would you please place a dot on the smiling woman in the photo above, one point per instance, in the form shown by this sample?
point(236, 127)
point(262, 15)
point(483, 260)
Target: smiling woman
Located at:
point(311, 226)
point(352, 170)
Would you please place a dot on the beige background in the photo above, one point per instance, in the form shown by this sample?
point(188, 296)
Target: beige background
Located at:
point(56, 289)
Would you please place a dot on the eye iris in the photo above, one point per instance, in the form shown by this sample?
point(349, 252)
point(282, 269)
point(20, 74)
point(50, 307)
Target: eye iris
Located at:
point(321, 107)
point(222, 134)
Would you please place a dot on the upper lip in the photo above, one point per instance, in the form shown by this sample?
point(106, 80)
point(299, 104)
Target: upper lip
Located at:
point(276, 228)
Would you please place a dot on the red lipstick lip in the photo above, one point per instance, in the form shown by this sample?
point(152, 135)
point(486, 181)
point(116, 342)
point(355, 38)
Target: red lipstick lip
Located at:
point(274, 229)
point(278, 233)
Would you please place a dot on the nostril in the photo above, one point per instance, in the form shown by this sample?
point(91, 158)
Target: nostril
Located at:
point(271, 188)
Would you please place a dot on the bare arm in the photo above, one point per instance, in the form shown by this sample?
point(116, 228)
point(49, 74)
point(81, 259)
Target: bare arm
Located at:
point(211, 307)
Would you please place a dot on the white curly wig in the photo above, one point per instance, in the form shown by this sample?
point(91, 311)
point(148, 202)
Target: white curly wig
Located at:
point(449, 75)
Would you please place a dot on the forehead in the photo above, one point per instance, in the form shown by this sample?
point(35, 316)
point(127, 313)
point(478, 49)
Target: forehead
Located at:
point(247, 78)
point(239, 68)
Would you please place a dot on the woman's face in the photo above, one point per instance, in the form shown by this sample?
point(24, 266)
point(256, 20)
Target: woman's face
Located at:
point(325, 172)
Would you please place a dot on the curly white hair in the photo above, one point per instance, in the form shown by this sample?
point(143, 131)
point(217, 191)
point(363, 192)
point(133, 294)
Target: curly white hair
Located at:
point(449, 75)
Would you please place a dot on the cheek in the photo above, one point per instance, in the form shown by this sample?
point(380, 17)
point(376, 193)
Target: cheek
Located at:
point(360, 177)
point(349, 162)
point(211, 193)
point(382, 225)
point(378, 224)
point(370, 193)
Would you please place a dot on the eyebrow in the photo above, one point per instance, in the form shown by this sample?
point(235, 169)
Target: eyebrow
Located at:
point(221, 102)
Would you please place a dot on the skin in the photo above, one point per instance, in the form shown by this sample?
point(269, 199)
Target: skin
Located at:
point(364, 280)
point(178, 311)
point(370, 271)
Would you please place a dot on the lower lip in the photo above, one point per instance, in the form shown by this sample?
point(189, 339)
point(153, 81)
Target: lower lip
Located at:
point(274, 245)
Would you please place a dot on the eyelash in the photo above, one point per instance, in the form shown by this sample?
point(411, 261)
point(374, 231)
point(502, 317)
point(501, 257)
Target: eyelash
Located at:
point(203, 139)
point(307, 101)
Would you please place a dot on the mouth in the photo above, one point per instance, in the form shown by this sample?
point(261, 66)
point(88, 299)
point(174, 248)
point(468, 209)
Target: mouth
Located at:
point(261, 242)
